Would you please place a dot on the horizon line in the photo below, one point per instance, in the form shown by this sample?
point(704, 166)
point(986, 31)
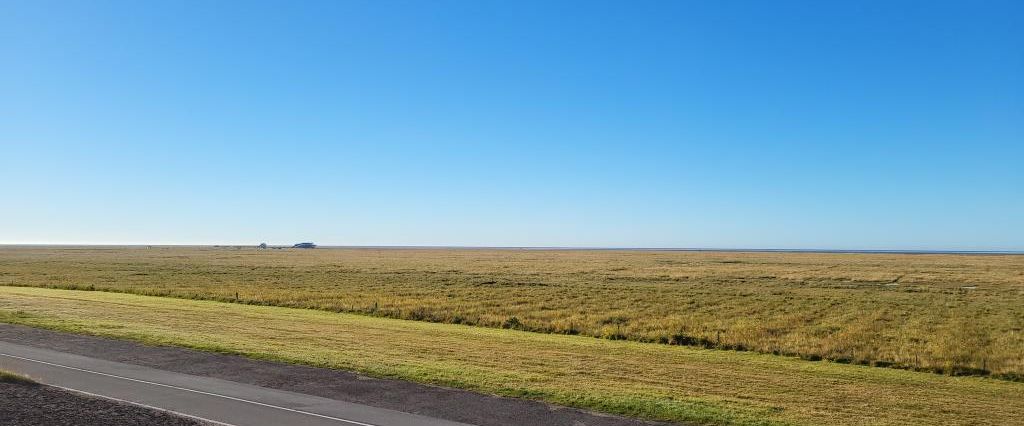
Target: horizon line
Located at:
point(565, 248)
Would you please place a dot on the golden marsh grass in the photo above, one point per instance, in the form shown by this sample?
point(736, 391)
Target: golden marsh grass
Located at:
point(954, 314)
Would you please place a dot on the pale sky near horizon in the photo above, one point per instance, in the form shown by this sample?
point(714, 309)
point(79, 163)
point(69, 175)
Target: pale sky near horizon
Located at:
point(727, 124)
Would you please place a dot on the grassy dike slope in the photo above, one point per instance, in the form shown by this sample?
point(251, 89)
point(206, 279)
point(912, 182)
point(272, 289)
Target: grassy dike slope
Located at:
point(9, 377)
point(647, 380)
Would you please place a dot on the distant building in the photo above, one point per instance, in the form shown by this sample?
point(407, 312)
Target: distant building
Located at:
point(304, 245)
point(262, 246)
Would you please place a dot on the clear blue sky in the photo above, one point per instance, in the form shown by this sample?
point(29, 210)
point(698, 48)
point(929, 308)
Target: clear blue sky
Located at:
point(861, 124)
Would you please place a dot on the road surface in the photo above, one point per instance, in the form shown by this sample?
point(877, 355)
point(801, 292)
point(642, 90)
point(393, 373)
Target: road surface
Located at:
point(208, 399)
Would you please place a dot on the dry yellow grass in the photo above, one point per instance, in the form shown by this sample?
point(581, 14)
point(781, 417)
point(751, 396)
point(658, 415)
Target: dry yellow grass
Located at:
point(955, 314)
point(656, 381)
point(9, 377)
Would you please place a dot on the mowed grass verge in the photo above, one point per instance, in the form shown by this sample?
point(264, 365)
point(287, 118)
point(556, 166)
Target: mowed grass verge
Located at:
point(9, 377)
point(652, 381)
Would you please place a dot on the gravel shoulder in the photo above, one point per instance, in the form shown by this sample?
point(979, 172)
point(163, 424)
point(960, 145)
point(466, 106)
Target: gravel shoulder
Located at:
point(432, 401)
point(30, 404)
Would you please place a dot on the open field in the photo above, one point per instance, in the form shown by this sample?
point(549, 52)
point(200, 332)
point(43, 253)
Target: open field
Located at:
point(957, 314)
point(654, 381)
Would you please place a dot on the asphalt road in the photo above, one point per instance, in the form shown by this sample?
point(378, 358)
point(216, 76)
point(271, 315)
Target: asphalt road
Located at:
point(204, 398)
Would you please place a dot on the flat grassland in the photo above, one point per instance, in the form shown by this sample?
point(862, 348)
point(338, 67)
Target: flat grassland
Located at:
point(640, 379)
point(952, 314)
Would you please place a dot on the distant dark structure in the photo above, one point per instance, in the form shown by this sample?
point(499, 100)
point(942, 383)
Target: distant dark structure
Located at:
point(304, 245)
point(262, 246)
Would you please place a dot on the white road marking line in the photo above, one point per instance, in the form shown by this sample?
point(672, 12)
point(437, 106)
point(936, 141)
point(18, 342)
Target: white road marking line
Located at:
point(124, 401)
point(353, 422)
